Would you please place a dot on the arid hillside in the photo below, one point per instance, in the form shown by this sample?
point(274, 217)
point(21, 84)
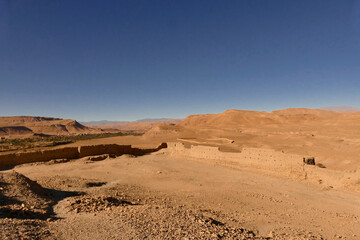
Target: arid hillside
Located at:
point(233, 175)
point(137, 126)
point(241, 119)
point(27, 126)
point(330, 136)
point(341, 108)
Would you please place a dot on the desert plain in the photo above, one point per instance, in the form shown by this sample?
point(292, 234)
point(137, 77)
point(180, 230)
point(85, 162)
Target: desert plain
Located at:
point(233, 175)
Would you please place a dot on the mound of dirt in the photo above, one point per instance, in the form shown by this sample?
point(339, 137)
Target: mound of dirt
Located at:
point(21, 197)
point(96, 204)
point(26, 207)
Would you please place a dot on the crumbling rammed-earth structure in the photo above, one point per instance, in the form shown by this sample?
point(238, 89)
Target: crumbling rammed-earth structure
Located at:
point(270, 161)
point(255, 158)
point(12, 159)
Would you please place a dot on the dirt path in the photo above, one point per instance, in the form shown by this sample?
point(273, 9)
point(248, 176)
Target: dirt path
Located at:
point(157, 196)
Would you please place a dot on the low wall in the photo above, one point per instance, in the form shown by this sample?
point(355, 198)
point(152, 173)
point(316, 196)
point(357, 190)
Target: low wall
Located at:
point(103, 149)
point(259, 158)
point(116, 150)
point(12, 159)
point(271, 161)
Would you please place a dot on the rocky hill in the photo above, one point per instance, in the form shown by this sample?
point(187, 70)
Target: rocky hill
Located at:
point(341, 108)
point(293, 117)
point(27, 126)
point(137, 126)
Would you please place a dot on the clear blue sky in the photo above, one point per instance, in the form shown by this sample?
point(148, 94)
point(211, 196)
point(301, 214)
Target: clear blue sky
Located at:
point(127, 60)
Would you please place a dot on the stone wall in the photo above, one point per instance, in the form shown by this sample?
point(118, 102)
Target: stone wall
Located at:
point(8, 160)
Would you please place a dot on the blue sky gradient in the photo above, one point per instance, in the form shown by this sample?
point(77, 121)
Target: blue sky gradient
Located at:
point(127, 60)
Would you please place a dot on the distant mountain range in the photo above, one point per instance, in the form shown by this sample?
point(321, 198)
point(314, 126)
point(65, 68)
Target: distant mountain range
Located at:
point(141, 125)
point(29, 126)
point(341, 108)
point(103, 122)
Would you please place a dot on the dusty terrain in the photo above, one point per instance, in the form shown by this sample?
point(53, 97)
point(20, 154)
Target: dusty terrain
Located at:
point(332, 137)
point(26, 126)
point(157, 196)
point(198, 192)
point(137, 126)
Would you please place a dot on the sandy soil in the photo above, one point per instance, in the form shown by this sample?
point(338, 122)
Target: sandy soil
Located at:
point(161, 197)
point(164, 196)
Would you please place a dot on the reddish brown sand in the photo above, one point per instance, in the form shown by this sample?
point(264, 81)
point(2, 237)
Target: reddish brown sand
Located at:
point(167, 196)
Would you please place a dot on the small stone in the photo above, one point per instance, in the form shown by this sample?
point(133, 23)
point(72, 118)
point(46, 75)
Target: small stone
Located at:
point(214, 236)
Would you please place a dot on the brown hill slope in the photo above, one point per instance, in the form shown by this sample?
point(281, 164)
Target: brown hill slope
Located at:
point(239, 119)
point(341, 108)
point(15, 130)
point(138, 126)
point(333, 137)
point(26, 126)
point(229, 119)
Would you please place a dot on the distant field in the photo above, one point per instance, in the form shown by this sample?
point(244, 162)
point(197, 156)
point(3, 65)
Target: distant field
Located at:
point(39, 142)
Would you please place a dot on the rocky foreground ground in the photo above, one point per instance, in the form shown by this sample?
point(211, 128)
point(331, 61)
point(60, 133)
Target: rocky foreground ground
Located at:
point(127, 211)
point(156, 197)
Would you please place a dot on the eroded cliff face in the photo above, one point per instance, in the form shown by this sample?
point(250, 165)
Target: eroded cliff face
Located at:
point(25, 126)
point(15, 131)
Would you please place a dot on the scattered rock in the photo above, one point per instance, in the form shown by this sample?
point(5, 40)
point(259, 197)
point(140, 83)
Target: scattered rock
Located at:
point(309, 160)
point(95, 184)
point(98, 157)
point(55, 161)
point(95, 204)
